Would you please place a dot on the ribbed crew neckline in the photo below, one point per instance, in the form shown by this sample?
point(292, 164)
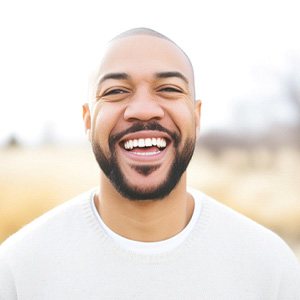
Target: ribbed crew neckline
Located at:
point(150, 248)
point(198, 231)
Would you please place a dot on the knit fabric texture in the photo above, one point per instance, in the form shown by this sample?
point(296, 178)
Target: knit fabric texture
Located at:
point(66, 254)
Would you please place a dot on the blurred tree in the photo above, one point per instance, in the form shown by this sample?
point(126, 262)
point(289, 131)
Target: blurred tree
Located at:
point(268, 115)
point(292, 84)
point(12, 142)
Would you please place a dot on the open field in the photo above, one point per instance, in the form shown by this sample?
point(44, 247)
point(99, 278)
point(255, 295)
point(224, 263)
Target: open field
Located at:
point(262, 185)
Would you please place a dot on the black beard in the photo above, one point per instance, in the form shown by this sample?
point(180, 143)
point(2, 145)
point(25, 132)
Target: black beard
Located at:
point(111, 169)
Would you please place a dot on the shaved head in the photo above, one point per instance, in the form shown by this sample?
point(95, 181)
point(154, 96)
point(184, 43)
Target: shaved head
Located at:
point(135, 32)
point(142, 31)
point(150, 32)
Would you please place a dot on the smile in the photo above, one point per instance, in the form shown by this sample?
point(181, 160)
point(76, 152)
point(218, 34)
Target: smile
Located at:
point(159, 143)
point(145, 146)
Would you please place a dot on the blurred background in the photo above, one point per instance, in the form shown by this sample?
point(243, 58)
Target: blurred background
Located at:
point(246, 56)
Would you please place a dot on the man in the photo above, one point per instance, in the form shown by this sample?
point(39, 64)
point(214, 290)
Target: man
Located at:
point(143, 234)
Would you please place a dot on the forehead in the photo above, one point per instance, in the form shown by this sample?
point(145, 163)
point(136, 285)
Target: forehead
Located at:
point(144, 55)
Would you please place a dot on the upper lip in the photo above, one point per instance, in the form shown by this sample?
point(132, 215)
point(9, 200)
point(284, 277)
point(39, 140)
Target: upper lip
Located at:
point(145, 134)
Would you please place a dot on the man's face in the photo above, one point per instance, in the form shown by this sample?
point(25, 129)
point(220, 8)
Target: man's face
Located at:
point(143, 123)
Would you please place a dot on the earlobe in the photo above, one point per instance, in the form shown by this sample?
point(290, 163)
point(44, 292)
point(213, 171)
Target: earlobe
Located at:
point(86, 115)
point(198, 105)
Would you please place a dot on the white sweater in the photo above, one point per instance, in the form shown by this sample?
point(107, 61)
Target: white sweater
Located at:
point(66, 254)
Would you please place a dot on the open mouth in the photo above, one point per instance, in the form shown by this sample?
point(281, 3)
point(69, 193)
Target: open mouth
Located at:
point(145, 146)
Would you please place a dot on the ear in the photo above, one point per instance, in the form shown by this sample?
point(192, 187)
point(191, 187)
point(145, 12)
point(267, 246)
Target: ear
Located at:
point(86, 115)
point(197, 110)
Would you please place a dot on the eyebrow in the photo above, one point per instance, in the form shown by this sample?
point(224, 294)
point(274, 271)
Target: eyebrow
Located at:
point(125, 76)
point(117, 76)
point(171, 74)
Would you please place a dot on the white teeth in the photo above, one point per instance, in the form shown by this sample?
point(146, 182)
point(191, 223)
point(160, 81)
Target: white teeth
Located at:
point(146, 153)
point(141, 143)
point(148, 142)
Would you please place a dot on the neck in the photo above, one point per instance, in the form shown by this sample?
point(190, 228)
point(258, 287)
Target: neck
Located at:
point(146, 221)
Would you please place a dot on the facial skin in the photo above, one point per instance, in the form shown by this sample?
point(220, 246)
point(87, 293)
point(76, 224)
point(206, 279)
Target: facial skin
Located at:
point(143, 123)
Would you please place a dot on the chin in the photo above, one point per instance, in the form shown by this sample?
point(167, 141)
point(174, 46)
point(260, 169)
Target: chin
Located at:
point(146, 190)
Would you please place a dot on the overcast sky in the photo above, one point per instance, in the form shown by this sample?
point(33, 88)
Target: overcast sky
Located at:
point(49, 47)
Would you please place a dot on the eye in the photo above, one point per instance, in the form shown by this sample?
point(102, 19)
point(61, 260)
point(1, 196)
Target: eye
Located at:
point(170, 89)
point(115, 92)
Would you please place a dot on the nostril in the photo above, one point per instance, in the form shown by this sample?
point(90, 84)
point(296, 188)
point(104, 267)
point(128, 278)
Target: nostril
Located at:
point(143, 112)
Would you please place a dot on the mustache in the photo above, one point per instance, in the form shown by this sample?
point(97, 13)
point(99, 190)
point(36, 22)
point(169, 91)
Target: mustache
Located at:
point(140, 126)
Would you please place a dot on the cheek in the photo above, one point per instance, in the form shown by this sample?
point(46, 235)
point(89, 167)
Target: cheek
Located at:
point(184, 118)
point(104, 120)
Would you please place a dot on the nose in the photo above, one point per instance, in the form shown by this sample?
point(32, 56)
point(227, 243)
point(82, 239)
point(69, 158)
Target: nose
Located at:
point(143, 107)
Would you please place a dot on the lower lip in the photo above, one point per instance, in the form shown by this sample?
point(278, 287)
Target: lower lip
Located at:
point(143, 156)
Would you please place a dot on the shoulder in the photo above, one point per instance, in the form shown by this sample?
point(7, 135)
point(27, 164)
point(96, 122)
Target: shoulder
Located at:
point(235, 244)
point(222, 217)
point(54, 223)
point(235, 230)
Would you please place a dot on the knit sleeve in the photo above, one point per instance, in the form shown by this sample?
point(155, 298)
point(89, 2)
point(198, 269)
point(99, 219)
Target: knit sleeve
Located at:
point(7, 285)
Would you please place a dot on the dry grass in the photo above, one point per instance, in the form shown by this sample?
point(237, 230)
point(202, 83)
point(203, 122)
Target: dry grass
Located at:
point(34, 180)
point(264, 186)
